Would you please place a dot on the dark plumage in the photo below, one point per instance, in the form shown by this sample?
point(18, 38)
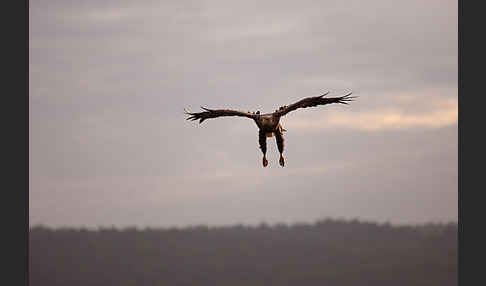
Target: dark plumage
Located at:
point(269, 124)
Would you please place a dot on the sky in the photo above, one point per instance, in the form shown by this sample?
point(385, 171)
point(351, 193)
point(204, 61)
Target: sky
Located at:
point(109, 144)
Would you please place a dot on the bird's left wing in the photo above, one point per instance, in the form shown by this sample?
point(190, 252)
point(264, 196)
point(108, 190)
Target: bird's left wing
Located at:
point(213, 113)
point(315, 101)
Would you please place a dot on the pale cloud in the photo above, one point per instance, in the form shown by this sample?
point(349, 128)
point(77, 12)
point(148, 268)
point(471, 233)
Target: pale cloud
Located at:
point(435, 113)
point(109, 16)
point(260, 29)
point(257, 175)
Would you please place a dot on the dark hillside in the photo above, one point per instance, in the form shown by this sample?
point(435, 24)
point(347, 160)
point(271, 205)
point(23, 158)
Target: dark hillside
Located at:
point(328, 252)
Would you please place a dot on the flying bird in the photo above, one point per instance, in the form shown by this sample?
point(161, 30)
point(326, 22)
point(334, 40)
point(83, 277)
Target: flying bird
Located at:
point(269, 123)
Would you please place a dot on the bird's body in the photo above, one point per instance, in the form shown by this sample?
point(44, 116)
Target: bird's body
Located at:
point(269, 123)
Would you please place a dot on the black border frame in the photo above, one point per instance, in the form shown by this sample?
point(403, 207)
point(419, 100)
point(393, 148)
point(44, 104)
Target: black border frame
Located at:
point(16, 134)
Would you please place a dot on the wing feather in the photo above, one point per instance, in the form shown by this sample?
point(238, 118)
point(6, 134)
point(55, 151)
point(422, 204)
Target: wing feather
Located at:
point(315, 101)
point(214, 113)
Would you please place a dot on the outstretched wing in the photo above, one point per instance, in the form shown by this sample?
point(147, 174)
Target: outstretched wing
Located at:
point(315, 101)
point(213, 113)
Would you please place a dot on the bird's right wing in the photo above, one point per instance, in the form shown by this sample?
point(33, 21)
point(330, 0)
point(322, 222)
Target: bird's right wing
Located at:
point(213, 113)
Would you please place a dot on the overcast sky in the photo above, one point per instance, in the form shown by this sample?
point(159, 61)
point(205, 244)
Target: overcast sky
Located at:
point(109, 143)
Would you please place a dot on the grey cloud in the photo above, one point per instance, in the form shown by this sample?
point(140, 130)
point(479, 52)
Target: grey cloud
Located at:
point(108, 81)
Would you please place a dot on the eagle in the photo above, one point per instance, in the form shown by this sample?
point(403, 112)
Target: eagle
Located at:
point(269, 124)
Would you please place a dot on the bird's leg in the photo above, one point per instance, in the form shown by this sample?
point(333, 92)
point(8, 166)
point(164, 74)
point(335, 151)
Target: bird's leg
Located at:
point(262, 139)
point(280, 144)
